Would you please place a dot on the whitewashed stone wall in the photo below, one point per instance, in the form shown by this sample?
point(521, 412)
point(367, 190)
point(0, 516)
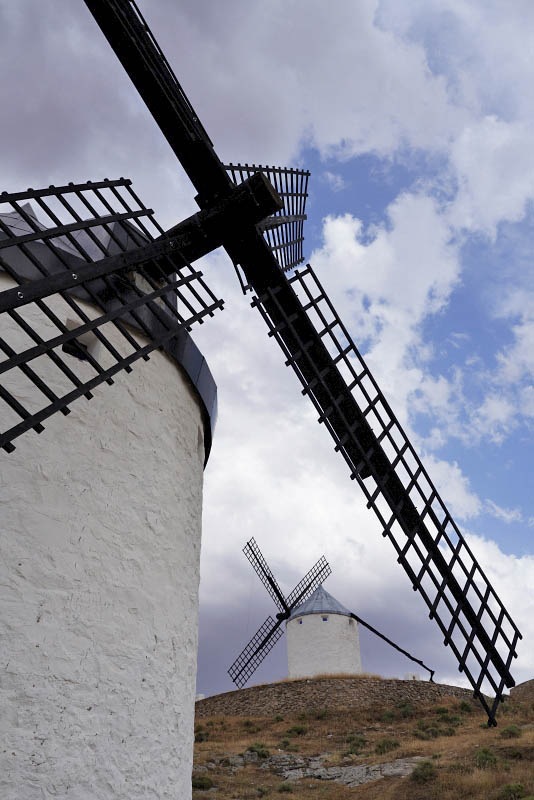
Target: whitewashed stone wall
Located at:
point(323, 648)
point(100, 523)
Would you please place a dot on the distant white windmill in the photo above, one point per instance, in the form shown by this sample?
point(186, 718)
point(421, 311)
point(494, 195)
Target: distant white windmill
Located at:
point(322, 638)
point(322, 635)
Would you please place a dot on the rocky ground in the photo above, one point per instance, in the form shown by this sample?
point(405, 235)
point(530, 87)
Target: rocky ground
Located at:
point(396, 750)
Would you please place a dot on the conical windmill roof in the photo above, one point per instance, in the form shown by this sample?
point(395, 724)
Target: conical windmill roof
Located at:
point(320, 602)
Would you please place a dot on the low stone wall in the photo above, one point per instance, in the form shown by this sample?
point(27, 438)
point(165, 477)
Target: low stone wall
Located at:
point(524, 691)
point(303, 695)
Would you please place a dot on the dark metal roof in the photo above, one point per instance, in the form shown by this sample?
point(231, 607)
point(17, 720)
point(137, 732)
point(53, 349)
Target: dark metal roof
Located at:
point(320, 602)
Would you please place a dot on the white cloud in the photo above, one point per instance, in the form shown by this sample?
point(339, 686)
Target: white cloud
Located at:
point(454, 487)
point(493, 162)
point(507, 515)
point(335, 181)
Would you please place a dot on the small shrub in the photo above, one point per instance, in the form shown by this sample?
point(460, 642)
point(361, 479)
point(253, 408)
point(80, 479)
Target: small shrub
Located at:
point(427, 730)
point(406, 710)
point(441, 710)
point(260, 749)
point(284, 744)
point(465, 707)
point(279, 718)
point(355, 745)
point(512, 791)
point(356, 740)
point(202, 736)
point(386, 745)
point(322, 714)
point(484, 758)
point(450, 719)
point(262, 791)
point(511, 732)
point(387, 716)
point(516, 755)
point(201, 782)
point(285, 787)
point(297, 730)
point(425, 771)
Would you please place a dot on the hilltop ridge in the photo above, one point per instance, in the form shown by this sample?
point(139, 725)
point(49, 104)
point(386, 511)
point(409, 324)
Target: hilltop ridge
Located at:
point(347, 691)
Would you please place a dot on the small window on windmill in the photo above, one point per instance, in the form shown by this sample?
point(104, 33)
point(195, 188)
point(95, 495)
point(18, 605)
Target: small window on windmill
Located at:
point(325, 619)
point(351, 621)
point(300, 622)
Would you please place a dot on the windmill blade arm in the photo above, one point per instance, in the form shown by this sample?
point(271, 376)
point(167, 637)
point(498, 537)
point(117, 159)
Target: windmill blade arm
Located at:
point(262, 569)
point(130, 37)
point(255, 651)
point(309, 583)
point(392, 644)
point(429, 546)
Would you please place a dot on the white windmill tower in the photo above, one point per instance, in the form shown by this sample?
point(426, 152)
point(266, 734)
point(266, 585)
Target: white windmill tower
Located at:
point(322, 638)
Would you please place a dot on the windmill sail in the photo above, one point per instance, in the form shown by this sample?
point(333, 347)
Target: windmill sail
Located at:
point(429, 546)
point(263, 571)
point(94, 242)
point(309, 583)
point(255, 651)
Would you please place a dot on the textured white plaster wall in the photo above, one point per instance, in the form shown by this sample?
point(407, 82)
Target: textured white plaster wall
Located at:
point(317, 647)
point(100, 523)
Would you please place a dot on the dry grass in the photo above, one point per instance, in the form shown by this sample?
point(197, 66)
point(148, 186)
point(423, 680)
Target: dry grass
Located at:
point(337, 676)
point(459, 736)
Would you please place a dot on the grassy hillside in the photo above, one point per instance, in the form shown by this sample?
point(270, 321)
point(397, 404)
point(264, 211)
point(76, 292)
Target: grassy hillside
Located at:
point(449, 750)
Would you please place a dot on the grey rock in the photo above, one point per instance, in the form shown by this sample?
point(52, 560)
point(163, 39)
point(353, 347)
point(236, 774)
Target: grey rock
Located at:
point(354, 775)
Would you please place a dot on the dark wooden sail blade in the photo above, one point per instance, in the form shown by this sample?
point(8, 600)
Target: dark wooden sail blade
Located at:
point(253, 654)
point(138, 51)
point(429, 545)
point(309, 583)
point(263, 571)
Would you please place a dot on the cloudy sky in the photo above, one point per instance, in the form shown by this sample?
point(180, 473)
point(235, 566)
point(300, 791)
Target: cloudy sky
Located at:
point(415, 119)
